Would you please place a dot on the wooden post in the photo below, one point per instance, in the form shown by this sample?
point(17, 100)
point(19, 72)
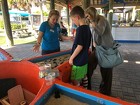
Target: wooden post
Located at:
point(52, 4)
point(91, 2)
point(86, 4)
point(110, 12)
point(68, 19)
point(7, 25)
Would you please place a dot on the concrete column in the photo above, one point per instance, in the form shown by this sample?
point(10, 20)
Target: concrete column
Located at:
point(58, 8)
point(110, 12)
point(133, 14)
point(41, 9)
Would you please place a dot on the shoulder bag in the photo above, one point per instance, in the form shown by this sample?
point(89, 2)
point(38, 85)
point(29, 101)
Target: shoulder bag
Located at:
point(108, 58)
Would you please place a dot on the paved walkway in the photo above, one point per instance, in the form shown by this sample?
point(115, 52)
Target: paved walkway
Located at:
point(126, 77)
point(25, 50)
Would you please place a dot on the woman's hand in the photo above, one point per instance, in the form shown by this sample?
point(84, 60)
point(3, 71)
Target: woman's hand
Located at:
point(36, 47)
point(93, 24)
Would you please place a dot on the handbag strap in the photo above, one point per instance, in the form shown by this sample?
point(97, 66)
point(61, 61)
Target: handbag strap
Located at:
point(92, 47)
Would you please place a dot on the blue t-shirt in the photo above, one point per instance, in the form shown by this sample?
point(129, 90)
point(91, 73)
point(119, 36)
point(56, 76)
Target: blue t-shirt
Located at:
point(50, 39)
point(83, 38)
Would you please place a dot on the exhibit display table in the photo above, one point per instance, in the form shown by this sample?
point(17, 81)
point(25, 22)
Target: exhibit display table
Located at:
point(126, 34)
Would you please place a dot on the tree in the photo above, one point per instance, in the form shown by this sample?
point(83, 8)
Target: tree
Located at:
point(17, 4)
point(26, 5)
point(7, 24)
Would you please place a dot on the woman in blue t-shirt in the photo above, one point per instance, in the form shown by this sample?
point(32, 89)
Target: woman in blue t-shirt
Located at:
point(49, 34)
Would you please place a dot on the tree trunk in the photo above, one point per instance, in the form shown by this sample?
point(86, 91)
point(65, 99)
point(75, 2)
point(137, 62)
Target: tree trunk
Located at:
point(7, 24)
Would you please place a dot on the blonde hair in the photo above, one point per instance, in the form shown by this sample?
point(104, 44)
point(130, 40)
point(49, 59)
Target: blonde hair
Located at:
point(53, 12)
point(92, 12)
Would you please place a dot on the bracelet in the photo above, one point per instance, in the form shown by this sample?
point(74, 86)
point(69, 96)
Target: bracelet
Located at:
point(38, 43)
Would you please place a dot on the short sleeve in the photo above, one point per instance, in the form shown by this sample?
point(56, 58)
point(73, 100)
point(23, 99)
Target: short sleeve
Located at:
point(80, 39)
point(58, 29)
point(43, 27)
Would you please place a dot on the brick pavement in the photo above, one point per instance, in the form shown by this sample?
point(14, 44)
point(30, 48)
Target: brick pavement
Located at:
point(126, 77)
point(25, 50)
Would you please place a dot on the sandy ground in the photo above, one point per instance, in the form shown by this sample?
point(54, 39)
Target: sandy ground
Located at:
point(63, 100)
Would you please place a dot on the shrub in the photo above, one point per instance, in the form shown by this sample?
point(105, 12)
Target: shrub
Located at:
point(13, 25)
point(1, 24)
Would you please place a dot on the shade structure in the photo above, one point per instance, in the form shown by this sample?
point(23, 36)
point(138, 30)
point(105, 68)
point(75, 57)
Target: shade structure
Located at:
point(18, 12)
point(21, 13)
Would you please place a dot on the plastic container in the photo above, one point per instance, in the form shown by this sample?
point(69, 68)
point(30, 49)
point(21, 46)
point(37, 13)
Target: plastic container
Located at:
point(42, 71)
point(49, 79)
point(48, 66)
point(52, 74)
point(56, 71)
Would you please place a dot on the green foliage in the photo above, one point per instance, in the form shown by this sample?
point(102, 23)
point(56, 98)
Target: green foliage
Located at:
point(1, 24)
point(10, 1)
point(45, 14)
point(13, 25)
point(2, 40)
point(37, 12)
point(27, 40)
point(17, 26)
point(138, 15)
